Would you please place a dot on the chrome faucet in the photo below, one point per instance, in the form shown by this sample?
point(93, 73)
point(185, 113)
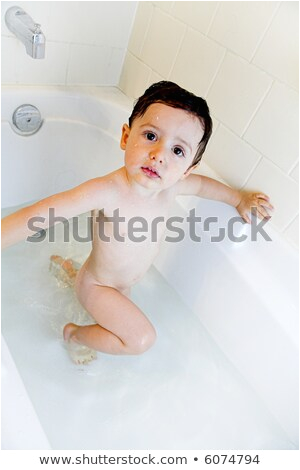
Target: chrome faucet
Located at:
point(25, 29)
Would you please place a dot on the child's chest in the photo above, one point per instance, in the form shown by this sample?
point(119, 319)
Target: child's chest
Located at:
point(134, 220)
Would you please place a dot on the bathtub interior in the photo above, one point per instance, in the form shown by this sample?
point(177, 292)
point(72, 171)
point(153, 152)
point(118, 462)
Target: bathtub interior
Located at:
point(212, 381)
point(78, 128)
point(183, 393)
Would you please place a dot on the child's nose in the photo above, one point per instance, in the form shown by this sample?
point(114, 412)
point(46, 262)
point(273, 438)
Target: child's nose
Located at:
point(156, 154)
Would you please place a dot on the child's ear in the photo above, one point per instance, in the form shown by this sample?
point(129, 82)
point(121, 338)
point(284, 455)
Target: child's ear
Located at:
point(188, 171)
point(124, 136)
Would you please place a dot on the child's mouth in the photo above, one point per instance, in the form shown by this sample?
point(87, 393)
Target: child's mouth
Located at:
point(151, 172)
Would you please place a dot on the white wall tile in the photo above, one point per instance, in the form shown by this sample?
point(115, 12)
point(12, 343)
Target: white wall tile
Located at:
point(90, 65)
point(282, 190)
point(237, 92)
point(274, 129)
point(60, 26)
point(52, 69)
point(135, 76)
point(292, 232)
point(240, 25)
point(196, 71)
point(101, 23)
point(279, 51)
point(8, 59)
point(140, 27)
point(162, 42)
point(198, 15)
point(166, 6)
point(231, 157)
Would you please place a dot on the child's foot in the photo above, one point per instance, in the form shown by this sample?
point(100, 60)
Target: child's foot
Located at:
point(63, 269)
point(79, 353)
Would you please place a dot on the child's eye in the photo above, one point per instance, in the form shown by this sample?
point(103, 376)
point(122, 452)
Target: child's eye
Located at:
point(178, 151)
point(150, 135)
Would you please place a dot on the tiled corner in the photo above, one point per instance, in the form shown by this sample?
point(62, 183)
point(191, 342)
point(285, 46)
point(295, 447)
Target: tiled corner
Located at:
point(164, 36)
point(154, 78)
point(230, 156)
point(240, 25)
point(279, 49)
point(135, 76)
point(237, 92)
point(282, 190)
point(140, 27)
point(90, 64)
point(196, 71)
point(274, 129)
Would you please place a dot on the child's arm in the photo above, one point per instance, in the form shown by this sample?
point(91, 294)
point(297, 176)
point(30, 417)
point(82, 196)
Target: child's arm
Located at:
point(243, 201)
point(67, 204)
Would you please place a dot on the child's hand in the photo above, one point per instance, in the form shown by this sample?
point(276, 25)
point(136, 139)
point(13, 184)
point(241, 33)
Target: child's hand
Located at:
point(257, 203)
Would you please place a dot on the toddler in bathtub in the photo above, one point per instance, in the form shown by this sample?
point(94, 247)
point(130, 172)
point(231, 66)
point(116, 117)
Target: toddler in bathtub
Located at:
point(167, 134)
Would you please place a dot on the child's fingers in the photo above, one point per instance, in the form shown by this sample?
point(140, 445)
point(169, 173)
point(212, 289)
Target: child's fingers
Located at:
point(246, 218)
point(268, 206)
point(265, 199)
point(262, 196)
point(257, 204)
point(261, 212)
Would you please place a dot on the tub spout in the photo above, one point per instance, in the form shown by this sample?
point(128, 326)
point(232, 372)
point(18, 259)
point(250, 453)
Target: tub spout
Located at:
point(27, 31)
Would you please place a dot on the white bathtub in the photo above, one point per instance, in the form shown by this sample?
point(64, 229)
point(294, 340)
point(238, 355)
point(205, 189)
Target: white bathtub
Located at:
point(243, 296)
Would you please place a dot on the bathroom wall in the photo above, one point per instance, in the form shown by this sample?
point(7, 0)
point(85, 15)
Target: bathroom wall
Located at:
point(243, 58)
point(85, 43)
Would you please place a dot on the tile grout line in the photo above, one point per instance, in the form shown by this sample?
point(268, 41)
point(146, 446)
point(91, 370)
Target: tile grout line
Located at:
point(267, 92)
point(177, 53)
point(216, 72)
point(264, 33)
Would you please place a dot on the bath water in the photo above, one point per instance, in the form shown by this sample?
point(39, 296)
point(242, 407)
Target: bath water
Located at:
point(181, 394)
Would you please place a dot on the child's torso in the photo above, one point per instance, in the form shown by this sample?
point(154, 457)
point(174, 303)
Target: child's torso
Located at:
point(126, 239)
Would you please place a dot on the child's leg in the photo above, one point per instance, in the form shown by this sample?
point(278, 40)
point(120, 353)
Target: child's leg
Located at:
point(122, 327)
point(64, 270)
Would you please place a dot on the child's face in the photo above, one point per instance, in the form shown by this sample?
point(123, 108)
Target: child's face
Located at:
point(160, 146)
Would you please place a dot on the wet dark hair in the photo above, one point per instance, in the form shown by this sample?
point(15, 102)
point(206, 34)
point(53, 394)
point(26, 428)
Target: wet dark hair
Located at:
point(173, 95)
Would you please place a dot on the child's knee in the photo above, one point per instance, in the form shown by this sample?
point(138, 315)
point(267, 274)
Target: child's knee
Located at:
point(142, 342)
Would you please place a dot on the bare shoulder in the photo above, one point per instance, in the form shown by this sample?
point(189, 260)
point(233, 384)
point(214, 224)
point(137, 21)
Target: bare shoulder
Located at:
point(98, 190)
point(190, 185)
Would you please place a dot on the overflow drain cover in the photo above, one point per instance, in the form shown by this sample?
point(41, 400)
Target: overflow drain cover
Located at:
point(26, 119)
